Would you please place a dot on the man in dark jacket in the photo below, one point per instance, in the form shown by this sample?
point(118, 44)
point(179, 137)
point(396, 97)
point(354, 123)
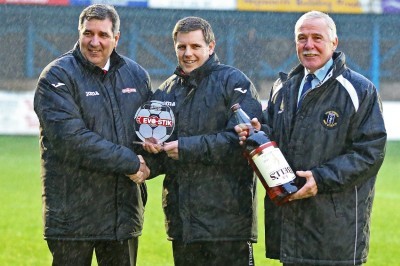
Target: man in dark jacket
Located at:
point(209, 195)
point(333, 136)
point(85, 101)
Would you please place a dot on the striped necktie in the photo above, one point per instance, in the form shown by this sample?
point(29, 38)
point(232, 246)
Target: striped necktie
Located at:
point(306, 87)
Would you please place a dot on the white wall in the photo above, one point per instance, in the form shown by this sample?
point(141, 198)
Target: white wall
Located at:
point(391, 113)
point(17, 116)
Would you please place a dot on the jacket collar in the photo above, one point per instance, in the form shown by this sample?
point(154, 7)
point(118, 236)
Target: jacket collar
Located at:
point(338, 67)
point(293, 80)
point(193, 79)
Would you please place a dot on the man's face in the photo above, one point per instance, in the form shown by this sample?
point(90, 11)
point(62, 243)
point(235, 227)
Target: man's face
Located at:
point(192, 50)
point(97, 41)
point(313, 45)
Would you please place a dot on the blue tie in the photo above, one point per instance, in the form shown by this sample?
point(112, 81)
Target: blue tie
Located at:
point(306, 87)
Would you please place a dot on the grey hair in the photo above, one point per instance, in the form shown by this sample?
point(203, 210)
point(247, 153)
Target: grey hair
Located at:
point(315, 15)
point(189, 24)
point(100, 12)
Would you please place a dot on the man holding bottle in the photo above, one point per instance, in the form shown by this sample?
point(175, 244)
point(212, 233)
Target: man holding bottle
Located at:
point(209, 194)
point(333, 136)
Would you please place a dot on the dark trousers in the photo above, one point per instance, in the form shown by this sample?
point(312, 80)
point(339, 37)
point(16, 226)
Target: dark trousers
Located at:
point(79, 253)
point(232, 253)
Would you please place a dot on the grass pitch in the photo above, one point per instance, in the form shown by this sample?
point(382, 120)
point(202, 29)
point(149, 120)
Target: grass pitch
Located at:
point(21, 233)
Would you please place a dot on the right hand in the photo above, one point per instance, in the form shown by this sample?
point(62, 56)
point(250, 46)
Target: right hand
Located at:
point(142, 174)
point(152, 147)
point(172, 149)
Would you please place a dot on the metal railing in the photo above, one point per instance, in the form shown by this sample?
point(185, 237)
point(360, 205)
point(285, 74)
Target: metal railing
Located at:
point(32, 36)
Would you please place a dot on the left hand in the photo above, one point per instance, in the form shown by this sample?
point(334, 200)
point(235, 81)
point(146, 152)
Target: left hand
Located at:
point(171, 148)
point(242, 129)
point(309, 189)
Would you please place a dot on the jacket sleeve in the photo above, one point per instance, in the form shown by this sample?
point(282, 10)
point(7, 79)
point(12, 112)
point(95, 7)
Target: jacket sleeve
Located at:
point(65, 133)
point(220, 147)
point(156, 163)
point(365, 151)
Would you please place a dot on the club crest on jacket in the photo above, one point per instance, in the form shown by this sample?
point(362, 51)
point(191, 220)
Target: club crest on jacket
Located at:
point(330, 119)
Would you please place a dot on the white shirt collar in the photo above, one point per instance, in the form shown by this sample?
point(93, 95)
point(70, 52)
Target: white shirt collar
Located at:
point(321, 73)
point(107, 66)
point(319, 76)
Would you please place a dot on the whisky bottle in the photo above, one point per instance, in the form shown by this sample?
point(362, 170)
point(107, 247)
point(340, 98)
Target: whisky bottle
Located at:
point(267, 160)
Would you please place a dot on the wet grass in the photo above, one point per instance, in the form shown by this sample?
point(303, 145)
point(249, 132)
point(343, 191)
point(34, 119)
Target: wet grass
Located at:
point(21, 233)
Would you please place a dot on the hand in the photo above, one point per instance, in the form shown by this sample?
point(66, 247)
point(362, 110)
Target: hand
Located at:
point(309, 189)
point(142, 174)
point(153, 148)
point(256, 124)
point(144, 168)
point(242, 129)
point(171, 148)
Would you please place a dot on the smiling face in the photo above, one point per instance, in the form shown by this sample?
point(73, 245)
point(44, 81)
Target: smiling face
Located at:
point(191, 49)
point(314, 45)
point(97, 41)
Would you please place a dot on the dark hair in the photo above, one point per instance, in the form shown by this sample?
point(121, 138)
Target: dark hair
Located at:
point(100, 12)
point(194, 23)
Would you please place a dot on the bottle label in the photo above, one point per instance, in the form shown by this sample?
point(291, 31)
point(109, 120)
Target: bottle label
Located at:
point(273, 167)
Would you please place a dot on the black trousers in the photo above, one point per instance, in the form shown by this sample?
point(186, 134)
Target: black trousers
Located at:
point(79, 253)
point(232, 253)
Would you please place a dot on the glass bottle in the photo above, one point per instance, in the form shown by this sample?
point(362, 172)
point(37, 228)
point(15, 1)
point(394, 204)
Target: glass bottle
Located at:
point(267, 161)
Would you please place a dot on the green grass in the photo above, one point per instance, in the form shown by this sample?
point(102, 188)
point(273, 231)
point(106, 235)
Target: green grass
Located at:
point(21, 233)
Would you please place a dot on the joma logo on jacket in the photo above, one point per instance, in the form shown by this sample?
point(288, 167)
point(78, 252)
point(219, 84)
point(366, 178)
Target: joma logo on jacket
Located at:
point(92, 93)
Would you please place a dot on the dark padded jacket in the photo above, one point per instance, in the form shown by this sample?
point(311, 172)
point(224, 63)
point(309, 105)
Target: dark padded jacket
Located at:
point(86, 134)
point(209, 194)
point(338, 134)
